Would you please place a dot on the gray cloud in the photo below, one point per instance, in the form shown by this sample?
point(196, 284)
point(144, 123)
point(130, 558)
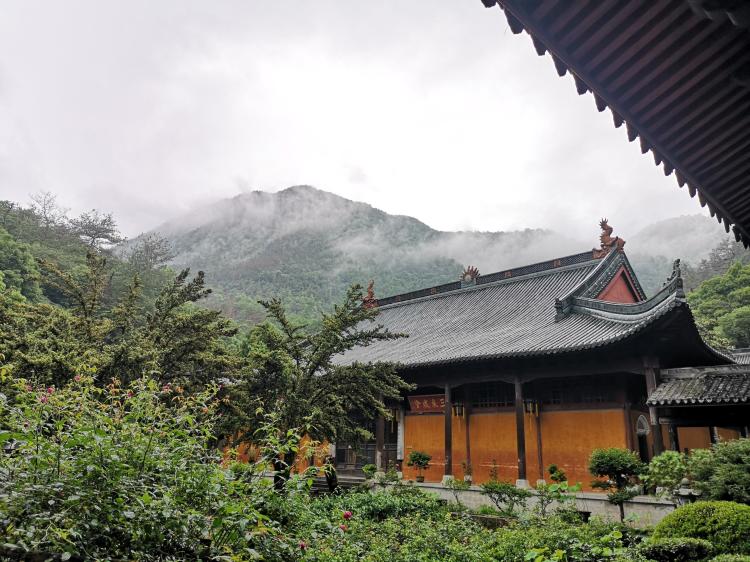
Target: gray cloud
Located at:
point(150, 109)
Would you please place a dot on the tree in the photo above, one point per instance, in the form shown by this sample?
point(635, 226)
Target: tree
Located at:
point(721, 307)
point(171, 339)
point(619, 467)
point(18, 267)
point(49, 213)
point(301, 378)
point(149, 252)
point(97, 229)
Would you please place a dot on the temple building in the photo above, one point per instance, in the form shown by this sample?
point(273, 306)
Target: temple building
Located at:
point(541, 364)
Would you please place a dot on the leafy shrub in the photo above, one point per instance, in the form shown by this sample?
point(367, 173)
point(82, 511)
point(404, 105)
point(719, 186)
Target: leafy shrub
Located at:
point(730, 558)
point(726, 525)
point(724, 472)
point(397, 501)
point(505, 496)
point(665, 471)
point(556, 474)
point(619, 467)
point(123, 473)
point(369, 470)
point(676, 550)
point(456, 487)
point(595, 542)
point(560, 492)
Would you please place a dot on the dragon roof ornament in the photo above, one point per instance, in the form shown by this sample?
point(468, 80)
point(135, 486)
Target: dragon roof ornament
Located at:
point(607, 242)
point(469, 276)
point(369, 300)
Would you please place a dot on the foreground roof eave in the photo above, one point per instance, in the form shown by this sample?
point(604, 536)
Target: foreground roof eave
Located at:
point(519, 20)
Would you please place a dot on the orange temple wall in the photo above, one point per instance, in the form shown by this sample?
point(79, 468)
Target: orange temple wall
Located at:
point(568, 437)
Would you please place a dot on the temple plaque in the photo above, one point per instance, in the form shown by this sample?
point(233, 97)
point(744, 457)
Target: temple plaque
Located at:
point(427, 403)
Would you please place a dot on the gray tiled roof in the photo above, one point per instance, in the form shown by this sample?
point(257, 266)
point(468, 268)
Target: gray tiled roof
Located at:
point(728, 384)
point(741, 356)
point(514, 317)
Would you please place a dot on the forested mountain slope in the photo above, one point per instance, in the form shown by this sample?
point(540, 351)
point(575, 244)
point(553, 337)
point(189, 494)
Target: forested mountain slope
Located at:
point(307, 246)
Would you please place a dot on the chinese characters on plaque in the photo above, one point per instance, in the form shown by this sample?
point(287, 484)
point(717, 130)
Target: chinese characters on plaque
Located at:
point(427, 403)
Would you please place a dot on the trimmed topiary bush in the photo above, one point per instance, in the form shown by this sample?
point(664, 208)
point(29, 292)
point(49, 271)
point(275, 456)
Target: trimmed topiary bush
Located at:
point(726, 525)
point(676, 550)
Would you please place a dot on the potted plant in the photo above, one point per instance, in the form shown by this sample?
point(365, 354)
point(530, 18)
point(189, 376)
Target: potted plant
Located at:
point(419, 460)
point(468, 471)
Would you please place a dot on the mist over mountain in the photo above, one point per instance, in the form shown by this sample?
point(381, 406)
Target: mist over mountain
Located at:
point(306, 246)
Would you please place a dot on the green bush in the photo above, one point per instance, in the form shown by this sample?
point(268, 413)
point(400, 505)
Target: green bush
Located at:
point(505, 496)
point(676, 550)
point(369, 470)
point(124, 473)
point(730, 558)
point(665, 471)
point(726, 525)
point(724, 473)
point(619, 467)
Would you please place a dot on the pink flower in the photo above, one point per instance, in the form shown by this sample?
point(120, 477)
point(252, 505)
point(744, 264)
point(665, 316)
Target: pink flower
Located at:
point(130, 393)
point(77, 378)
point(303, 545)
point(50, 389)
point(29, 388)
point(342, 527)
point(347, 515)
point(43, 399)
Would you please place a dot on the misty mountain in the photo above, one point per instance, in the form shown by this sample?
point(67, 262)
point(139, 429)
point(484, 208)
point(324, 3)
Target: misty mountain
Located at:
point(306, 246)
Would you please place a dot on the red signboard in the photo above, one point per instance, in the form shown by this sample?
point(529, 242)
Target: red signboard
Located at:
point(427, 403)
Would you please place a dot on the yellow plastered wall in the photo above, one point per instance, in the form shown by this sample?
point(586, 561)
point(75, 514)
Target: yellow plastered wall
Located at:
point(568, 437)
point(425, 432)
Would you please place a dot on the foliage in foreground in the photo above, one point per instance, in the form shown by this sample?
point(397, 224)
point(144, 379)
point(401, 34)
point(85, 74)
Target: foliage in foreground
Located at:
point(124, 473)
point(405, 524)
point(676, 550)
point(726, 525)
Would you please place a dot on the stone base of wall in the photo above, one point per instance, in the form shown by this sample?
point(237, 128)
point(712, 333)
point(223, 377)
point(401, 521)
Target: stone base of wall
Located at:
point(644, 511)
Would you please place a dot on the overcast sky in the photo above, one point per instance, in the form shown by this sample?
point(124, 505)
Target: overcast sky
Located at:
point(430, 108)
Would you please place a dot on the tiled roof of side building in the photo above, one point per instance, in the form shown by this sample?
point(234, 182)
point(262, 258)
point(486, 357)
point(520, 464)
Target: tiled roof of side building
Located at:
point(551, 310)
point(724, 384)
point(741, 355)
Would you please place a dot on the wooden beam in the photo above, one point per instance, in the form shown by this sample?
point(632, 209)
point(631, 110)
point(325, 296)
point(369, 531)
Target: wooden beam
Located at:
point(651, 372)
point(520, 433)
point(674, 439)
point(628, 427)
point(379, 442)
point(467, 416)
point(448, 414)
point(539, 450)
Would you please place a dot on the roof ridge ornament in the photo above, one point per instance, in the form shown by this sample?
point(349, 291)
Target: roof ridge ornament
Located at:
point(469, 276)
point(674, 281)
point(607, 242)
point(369, 300)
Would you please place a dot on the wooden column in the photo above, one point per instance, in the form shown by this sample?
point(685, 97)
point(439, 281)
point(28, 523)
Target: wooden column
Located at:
point(628, 427)
point(379, 442)
point(448, 471)
point(467, 418)
point(674, 439)
point(539, 450)
point(712, 435)
point(651, 371)
point(520, 434)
